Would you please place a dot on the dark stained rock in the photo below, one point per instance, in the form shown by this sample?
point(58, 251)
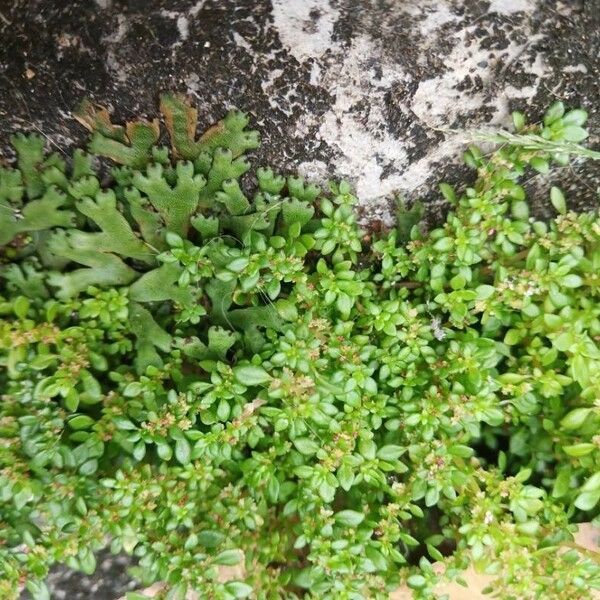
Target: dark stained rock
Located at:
point(372, 90)
point(109, 582)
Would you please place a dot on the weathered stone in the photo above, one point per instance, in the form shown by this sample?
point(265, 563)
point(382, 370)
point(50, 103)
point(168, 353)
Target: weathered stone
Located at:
point(372, 90)
point(109, 581)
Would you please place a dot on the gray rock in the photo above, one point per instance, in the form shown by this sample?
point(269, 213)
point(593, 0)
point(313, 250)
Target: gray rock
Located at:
point(364, 89)
point(371, 90)
point(109, 582)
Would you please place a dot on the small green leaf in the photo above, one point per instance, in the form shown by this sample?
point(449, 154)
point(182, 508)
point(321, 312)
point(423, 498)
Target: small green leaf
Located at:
point(81, 422)
point(572, 281)
point(42, 361)
point(587, 500)
point(22, 497)
point(578, 450)
point(183, 450)
point(561, 484)
point(518, 120)
point(558, 200)
point(345, 476)
point(210, 539)
point(306, 446)
point(513, 337)
point(228, 557)
point(390, 452)
point(432, 496)
point(448, 192)
point(523, 475)
point(416, 582)
point(574, 133)
point(555, 112)
point(132, 389)
point(123, 423)
point(164, 451)
point(575, 419)
point(87, 561)
point(72, 400)
point(89, 467)
point(444, 244)
point(577, 116)
point(250, 375)
point(485, 291)
point(540, 164)
point(592, 484)
point(238, 265)
point(21, 306)
point(174, 240)
point(178, 592)
point(580, 370)
point(349, 518)
point(434, 552)
point(238, 589)
point(38, 590)
point(461, 450)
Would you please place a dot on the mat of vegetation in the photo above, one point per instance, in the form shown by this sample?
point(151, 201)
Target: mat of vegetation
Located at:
point(204, 366)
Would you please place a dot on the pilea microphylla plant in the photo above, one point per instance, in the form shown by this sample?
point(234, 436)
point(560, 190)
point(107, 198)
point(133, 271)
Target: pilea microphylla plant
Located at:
point(204, 367)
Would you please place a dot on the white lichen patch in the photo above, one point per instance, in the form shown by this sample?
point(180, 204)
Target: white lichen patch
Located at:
point(305, 27)
point(181, 22)
point(354, 127)
point(509, 7)
point(112, 41)
point(183, 27)
point(439, 100)
point(437, 16)
point(468, 88)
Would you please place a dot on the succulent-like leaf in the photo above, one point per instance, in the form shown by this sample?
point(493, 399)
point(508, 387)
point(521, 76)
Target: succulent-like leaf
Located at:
point(149, 337)
point(37, 215)
point(130, 145)
point(176, 204)
point(30, 158)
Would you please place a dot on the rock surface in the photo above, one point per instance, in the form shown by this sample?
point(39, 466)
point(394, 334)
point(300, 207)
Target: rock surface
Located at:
point(371, 90)
point(109, 581)
point(365, 89)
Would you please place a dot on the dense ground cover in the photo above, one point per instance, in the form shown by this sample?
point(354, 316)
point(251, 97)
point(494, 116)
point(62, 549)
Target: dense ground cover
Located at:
point(204, 365)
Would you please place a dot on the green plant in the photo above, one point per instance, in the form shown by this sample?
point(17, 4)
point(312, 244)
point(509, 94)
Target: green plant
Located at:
point(203, 375)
